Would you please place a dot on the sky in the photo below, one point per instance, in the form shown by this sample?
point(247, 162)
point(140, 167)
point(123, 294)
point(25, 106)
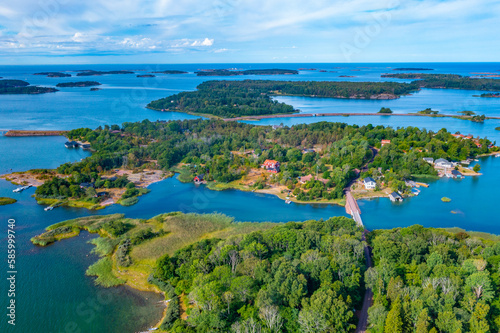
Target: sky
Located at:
point(248, 31)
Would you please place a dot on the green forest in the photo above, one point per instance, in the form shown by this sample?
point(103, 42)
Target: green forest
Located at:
point(428, 280)
point(228, 151)
point(78, 84)
point(230, 99)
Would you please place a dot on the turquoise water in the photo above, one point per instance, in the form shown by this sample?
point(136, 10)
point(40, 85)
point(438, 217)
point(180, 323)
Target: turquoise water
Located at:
point(53, 292)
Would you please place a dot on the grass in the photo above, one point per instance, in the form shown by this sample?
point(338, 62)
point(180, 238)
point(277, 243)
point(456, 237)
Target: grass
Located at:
point(445, 199)
point(69, 203)
point(103, 269)
point(7, 201)
point(103, 246)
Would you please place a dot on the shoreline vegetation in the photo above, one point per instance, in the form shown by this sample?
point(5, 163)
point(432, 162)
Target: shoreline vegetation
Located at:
point(220, 275)
point(22, 133)
point(22, 87)
point(447, 81)
point(53, 74)
point(7, 201)
point(310, 163)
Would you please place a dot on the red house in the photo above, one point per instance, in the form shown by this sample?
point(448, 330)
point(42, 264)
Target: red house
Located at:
point(199, 178)
point(271, 166)
point(385, 142)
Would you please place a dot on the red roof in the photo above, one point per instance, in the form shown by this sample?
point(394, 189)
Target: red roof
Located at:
point(270, 163)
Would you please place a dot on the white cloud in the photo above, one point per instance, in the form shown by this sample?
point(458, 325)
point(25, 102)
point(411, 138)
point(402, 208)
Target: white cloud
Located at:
point(205, 42)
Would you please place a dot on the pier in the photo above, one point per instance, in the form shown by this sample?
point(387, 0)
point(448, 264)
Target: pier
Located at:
point(352, 208)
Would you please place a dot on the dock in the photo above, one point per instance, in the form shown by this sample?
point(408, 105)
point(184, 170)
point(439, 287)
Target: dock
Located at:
point(352, 208)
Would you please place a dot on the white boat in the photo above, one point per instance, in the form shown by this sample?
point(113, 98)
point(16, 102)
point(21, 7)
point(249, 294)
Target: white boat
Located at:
point(19, 189)
point(288, 201)
point(48, 208)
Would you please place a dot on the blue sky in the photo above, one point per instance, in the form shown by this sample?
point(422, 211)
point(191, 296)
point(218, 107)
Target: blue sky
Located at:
point(248, 31)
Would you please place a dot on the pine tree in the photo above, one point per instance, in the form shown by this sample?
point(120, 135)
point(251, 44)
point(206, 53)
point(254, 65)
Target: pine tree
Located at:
point(394, 323)
point(422, 322)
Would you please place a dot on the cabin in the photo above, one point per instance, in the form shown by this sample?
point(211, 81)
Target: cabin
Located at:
point(100, 194)
point(385, 142)
point(71, 144)
point(442, 163)
point(429, 160)
point(394, 196)
point(199, 178)
point(85, 145)
point(271, 166)
point(305, 179)
point(86, 185)
point(369, 183)
point(308, 150)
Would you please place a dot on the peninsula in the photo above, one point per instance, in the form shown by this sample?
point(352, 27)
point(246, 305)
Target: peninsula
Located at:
point(210, 267)
point(448, 81)
point(53, 74)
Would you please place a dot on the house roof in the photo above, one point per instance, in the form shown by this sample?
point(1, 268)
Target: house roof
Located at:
point(395, 195)
point(441, 160)
point(270, 162)
point(369, 180)
point(200, 176)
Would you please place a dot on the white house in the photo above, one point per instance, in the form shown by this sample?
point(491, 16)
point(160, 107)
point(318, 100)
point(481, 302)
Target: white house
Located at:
point(442, 163)
point(369, 183)
point(429, 160)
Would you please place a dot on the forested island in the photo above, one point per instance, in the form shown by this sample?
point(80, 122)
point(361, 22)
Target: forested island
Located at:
point(489, 95)
point(412, 69)
point(78, 84)
point(7, 201)
point(89, 72)
point(315, 162)
point(53, 74)
point(227, 72)
point(22, 87)
point(170, 72)
point(253, 97)
point(448, 81)
point(146, 75)
point(218, 275)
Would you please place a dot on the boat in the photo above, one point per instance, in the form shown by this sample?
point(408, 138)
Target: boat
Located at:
point(48, 208)
point(19, 189)
point(288, 201)
point(415, 191)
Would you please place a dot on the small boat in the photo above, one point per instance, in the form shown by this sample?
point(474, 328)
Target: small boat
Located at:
point(19, 189)
point(288, 201)
point(48, 208)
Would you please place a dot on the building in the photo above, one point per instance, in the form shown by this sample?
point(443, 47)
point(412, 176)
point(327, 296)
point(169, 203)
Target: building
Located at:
point(369, 183)
point(271, 166)
point(385, 142)
point(442, 163)
point(305, 179)
point(199, 178)
point(394, 196)
point(308, 150)
point(454, 174)
point(86, 185)
point(71, 144)
point(85, 145)
point(429, 160)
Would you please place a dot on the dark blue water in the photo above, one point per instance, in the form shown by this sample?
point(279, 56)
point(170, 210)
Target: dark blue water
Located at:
point(52, 289)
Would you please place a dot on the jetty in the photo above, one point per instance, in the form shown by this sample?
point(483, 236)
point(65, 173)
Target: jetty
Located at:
point(352, 208)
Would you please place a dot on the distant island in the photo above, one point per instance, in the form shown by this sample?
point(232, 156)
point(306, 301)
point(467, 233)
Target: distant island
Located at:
point(448, 81)
point(95, 89)
point(146, 75)
point(227, 72)
point(170, 72)
point(53, 74)
point(78, 84)
point(489, 95)
point(22, 87)
point(231, 99)
point(412, 69)
point(97, 73)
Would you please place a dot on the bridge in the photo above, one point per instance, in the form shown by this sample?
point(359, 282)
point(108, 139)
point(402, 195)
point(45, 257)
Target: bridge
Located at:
point(352, 208)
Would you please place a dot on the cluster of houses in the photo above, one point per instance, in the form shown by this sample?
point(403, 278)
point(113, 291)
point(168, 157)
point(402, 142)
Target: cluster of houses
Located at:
point(470, 137)
point(75, 144)
point(447, 167)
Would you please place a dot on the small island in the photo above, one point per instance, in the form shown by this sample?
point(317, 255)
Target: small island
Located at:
point(95, 89)
point(170, 72)
point(412, 69)
point(146, 75)
point(227, 72)
point(7, 201)
point(53, 74)
point(90, 72)
point(489, 95)
point(428, 111)
point(78, 84)
point(445, 199)
point(385, 111)
point(22, 87)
